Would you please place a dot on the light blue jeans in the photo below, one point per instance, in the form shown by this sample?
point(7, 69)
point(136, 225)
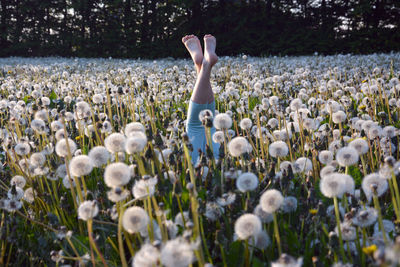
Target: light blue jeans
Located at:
point(196, 131)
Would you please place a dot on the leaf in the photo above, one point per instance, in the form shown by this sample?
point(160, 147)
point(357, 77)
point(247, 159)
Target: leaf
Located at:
point(236, 254)
point(53, 95)
point(356, 174)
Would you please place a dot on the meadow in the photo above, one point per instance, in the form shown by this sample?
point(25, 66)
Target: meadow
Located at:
point(96, 168)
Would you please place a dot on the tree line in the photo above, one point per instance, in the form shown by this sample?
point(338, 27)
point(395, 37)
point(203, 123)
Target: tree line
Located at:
point(152, 29)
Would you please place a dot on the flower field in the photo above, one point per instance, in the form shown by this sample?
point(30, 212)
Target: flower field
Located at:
point(96, 166)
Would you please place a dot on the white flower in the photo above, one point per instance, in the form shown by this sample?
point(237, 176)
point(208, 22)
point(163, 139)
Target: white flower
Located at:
point(347, 156)
point(135, 219)
point(135, 143)
point(147, 256)
point(376, 182)
point(289, 204)
point(87, 210)
point(247, 225)
point(365, 217)
point(325, 157)
point(260, 241)
point(271, 200)
point(99, 156)
point(332, 185)
point(29, 195)
point(286, 260)
point(348, 231)
point(218, 137)
point(80, 165)
point(222, 121)
point(62, 147)
point(177, 253)
point(18, 181)
point(302, 164)
point(238, 146)
point(115, 142)
point(134, 127)
point(278, 149)
point(246, 124)
point(144, 188)
point(22, 149)
point(360, 145)
point(264, 216)
point(117, 174)
point(247, 182)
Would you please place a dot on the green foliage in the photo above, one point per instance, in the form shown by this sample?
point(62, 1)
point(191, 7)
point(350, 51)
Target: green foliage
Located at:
point(153, 29)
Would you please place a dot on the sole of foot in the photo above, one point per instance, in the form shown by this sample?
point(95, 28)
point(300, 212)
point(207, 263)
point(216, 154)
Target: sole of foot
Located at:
point(209, 49)
point(192, 44)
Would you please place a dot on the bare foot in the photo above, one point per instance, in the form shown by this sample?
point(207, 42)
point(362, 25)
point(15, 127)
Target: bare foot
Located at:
point(209, 49)
point(193, 45)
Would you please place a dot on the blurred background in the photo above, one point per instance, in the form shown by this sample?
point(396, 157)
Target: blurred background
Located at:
point(153, 29)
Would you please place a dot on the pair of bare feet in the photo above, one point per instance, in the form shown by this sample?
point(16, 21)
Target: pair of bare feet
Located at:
point(193, 45)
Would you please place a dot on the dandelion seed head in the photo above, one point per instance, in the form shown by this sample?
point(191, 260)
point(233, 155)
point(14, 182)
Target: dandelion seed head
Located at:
point(117, 174)
point(22, 149)
point(247, 181)
point(115, 142)
point(347, 156)
point(289, 204)
point(247, 225)
point(365, 217)
point(62, 147)
point(222, 121)
point(29, 195)
point(147, 256)
point(18, 181)
point(325, 157)
point(88, 210)
point(134, 127)
point(246, 124)
point(332, 185)
point(218, 137)
point(374, 180)
point(135, 219)
point(271, 200)
point(286, 260)
point(238, 146)
point(99, 156)
point(135, 143)
point(177, 253)
point(278, 149)
point(81, 165)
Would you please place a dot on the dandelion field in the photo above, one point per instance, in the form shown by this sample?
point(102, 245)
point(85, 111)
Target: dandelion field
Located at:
point(96, 166)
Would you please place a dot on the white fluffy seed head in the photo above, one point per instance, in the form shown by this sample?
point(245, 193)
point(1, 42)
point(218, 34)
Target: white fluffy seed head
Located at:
point(135, 219)
point(99, 156)
point(248, 225)
point(246, 124)
point(339, 116)
point(271, 200)
point(218, 137)
point(360, 145)
point(80, 166)
point(325, 157)
point(115, 142)
point(87, 210)
point(135, 143)
point(238, 146)
point(222, 121)
point(134, 127)
point(22, 149)
point(62, 147)
point(347, 156)
point(278, 149)
point(247, 181)
point(177, 253)
point(18, 181)
point(117, 174)
point(147, 256)
point(374, 183)
point(332, 185)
